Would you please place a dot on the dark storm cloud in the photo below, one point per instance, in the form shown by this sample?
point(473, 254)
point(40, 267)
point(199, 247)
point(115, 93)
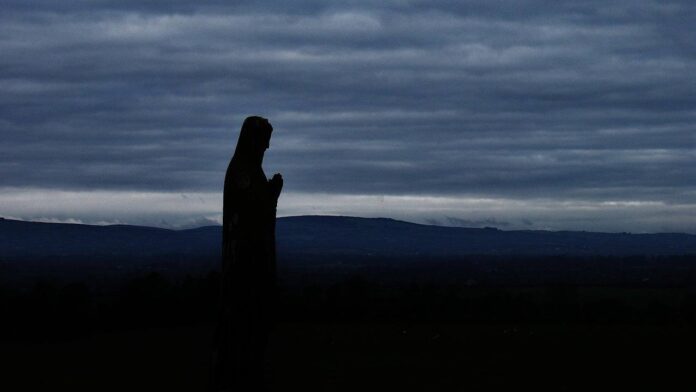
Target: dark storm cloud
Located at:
point(487, 98)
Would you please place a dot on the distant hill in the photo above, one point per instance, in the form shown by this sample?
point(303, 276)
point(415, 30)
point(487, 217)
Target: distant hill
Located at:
point(320, 236)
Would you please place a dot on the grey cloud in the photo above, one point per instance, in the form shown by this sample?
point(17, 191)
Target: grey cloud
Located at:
point(477, 98)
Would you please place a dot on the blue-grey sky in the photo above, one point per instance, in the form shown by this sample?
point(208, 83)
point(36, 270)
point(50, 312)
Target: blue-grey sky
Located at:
point(524, 114)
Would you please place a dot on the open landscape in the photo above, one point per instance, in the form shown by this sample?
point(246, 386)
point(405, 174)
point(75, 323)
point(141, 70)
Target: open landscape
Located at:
point(393, 195)
point(463, 309)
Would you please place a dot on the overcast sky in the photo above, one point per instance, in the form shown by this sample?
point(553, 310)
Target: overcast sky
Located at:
point(525, 114)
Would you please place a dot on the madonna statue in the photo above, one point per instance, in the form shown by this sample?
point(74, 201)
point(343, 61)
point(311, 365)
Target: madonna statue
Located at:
point(248, 263)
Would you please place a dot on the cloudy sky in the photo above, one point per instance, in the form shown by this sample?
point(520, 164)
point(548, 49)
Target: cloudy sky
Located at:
point(520, 115)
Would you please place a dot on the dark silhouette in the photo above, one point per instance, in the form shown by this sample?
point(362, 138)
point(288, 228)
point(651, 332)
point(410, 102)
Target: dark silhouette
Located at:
point(248, 263)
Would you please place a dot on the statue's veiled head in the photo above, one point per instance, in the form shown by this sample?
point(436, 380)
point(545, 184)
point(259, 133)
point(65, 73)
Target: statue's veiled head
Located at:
point(254, 139)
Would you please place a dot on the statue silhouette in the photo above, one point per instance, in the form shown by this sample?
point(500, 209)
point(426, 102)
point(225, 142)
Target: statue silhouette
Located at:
point(248, 263)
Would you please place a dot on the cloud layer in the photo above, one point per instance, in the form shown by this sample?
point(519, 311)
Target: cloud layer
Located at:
point(588, 104)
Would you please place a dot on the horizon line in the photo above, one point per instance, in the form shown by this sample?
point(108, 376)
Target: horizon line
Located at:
point(76, 222)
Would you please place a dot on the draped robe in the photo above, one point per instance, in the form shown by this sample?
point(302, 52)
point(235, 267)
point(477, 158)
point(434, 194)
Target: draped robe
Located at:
point(248, 264)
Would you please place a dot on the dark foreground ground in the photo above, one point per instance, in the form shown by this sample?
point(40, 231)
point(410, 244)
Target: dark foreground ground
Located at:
point(476, 324)
point(371, 356)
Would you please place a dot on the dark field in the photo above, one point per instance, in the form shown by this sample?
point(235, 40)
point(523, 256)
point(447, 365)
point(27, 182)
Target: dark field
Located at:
point(362, 331)
point(80, 320)
point(372, 356)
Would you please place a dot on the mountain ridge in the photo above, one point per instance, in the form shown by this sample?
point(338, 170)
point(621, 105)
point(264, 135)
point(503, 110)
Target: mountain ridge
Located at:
point(323, 236)
point(348, 217)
